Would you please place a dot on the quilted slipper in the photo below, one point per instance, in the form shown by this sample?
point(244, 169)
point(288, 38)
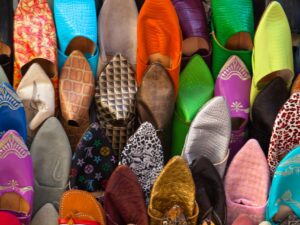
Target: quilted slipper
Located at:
point(35, 40)
point(265, 109)
point(8, 218)
point(93, 161)
point(210, 194)
point(285, 134)
point(72, 211)
point(195, 89)
point(145, 145)
point(194, 26)
point(272, 54)
point(51, 156)
point(115, 100)
point(74, 34)
point(117, 17)
point(16, 193)
point(124, 201)
point(157, 107)
point(47, 215)
point(12, 111)
point(76, 91)
point(173, 195)
point(6, 37)
point(247, 183)
point(233, 83)
point(37, 94)
point(284, 195)
point(159, 39)
point(209, 135)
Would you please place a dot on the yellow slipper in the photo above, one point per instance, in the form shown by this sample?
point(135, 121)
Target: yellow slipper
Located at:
point(272, 54)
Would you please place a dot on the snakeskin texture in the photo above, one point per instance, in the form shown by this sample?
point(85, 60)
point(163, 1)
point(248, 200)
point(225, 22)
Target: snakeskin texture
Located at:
point(76, 88)
point(34, 37)
point(115, 100)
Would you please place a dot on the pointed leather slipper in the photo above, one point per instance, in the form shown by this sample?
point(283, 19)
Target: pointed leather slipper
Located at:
point(209, 135)
point(47, 215)
point(195, 89)
point(173, 195)
point(247, 183)
point(52, 164)
point(124, 201)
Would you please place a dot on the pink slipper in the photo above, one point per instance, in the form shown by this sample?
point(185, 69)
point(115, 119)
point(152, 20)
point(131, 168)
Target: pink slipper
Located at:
point(247, 183)
point(243, 220)
point(286, 131)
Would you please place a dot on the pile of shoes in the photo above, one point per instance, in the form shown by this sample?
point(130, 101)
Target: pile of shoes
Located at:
point(158, 112)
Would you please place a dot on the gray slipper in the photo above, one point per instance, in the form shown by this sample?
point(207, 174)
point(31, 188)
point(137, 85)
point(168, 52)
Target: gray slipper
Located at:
point(47, 215)
point(51, 156)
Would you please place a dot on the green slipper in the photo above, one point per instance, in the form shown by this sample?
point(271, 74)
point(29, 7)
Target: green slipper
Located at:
point(196, 87)
point(220, 55)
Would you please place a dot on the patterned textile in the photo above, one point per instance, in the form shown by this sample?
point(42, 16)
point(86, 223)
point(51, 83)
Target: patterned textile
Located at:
point(144, 155)
point(12, 113)
point(34, 37)
point(286, 131)
point(93, 161)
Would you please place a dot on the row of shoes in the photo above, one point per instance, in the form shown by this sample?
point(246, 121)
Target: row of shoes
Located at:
point(93, 91)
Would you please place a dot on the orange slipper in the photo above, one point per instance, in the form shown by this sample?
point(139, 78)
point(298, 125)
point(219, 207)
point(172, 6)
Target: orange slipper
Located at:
point(80, 207)
point(35, 40)
point(159, 39)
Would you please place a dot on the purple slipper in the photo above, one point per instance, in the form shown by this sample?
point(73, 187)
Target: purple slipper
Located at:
point(233, 83)
point(194, 26)
point(16, 180)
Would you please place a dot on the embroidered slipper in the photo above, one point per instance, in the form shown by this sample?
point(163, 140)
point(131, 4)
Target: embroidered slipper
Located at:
point(38, 97)
point(12, 111)
point(117, 17)
point(51, 156)
point(243, 220)
point(115, 100)
point(157, 107)
point(124, 201)
point(285, 134)
point(144, 155)
point(247, 183)
point(76, 91)
point(284, 195)
point(210, 194)
point(173, 195)
point(3, 77)
point(76, 35)
point(16, 193)
point(47, 215)
point(35, 40)
point(194, 26)
point(8, 218)
point(195, 89)
point(233, 83)
point(265, 109)
point(159, 39)
point(93, 161)
point(272, 54)
point(72, 211)
point(6, 37)
point(209, 135)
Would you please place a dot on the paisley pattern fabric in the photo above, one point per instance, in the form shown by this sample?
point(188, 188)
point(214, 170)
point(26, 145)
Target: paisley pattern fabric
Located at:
point(144, 155)
point(34, 37)
point(93, 161)
point(286, 131)
point(12, 113)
